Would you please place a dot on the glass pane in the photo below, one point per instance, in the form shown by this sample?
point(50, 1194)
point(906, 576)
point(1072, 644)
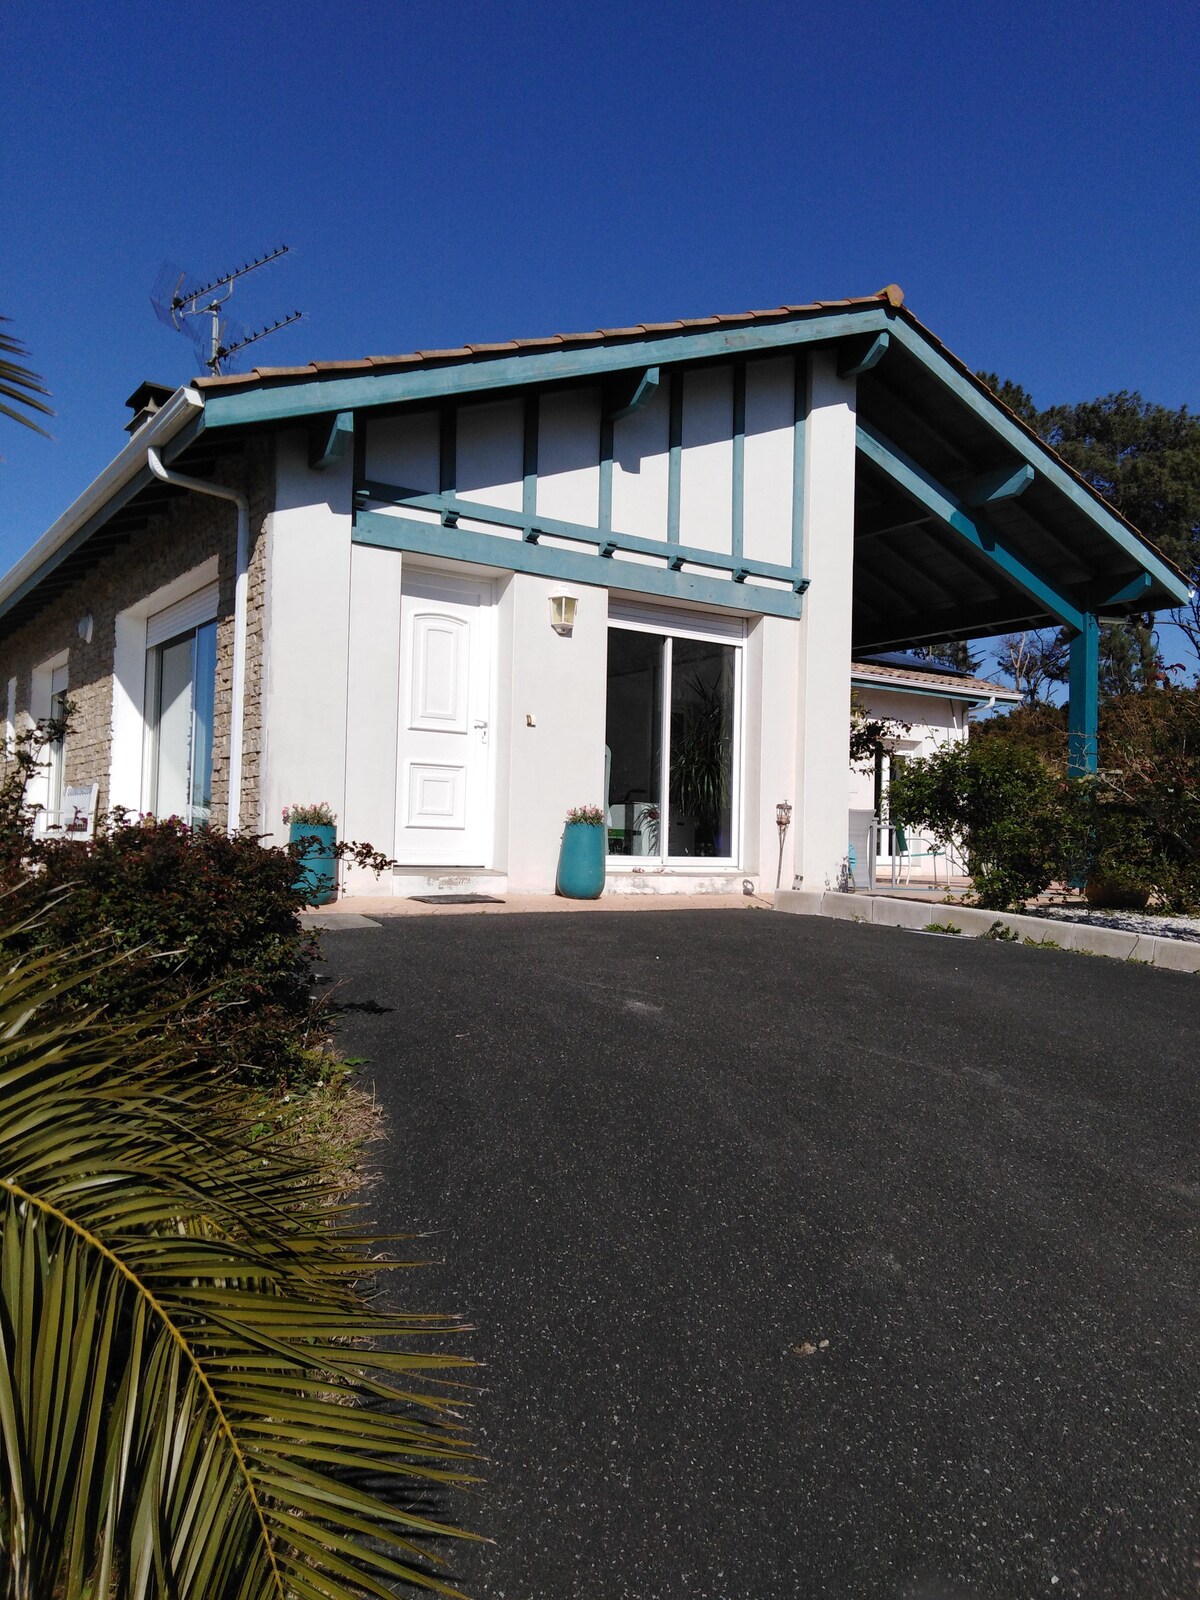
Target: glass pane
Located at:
point(204, 684)
point(56, 751)
point(702, 708)
point(633, 736)
point(172, 787)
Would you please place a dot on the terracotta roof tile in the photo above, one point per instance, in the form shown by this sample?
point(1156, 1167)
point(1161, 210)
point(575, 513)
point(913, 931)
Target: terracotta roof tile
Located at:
point(917, 677)
point(891, 295)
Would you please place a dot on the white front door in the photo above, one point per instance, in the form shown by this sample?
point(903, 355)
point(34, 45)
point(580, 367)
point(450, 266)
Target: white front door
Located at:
point(443, 791)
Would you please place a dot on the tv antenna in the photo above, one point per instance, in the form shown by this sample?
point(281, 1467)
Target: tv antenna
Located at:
point(180, 301)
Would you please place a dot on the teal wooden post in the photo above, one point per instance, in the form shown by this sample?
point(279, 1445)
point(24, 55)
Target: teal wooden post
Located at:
point(1084, 703)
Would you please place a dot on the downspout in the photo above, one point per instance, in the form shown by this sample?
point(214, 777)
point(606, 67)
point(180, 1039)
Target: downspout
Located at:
point(237, 698)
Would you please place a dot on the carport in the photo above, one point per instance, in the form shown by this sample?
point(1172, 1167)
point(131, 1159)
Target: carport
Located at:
point(968, 525)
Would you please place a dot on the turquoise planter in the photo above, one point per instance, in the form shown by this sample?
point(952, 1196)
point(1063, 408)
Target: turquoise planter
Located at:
point(318, 865)
point(581, 861)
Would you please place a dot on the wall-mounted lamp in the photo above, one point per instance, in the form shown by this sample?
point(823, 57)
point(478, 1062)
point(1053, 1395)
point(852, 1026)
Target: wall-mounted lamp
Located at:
point(85, 628)
point(562, 613)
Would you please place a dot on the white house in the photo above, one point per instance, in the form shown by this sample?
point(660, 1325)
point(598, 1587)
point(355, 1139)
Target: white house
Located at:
point(930, 705)
point(457, 592)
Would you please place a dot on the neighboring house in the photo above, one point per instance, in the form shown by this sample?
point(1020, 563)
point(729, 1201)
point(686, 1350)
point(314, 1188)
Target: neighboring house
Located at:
point(931, 703)
point(454, 593)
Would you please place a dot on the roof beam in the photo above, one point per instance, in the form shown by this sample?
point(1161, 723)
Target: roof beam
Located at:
point(269, 401)
point(952, 514)
point(1136, 589)
point(329, 440)
point(920, 346)
point(950, 625)
point(492, 550)
point(882, 395)
point(1003, 484)
point(637, 393)
point(862, 355)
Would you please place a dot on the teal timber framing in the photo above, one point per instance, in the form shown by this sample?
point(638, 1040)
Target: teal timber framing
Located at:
point(521, 555)
point(726, 578)
point(1082, 623)
point(466, 378)
point(1083, 689)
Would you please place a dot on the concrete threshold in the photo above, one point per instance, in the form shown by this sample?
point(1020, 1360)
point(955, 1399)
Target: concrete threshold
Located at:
point(883, 911)
point(369, 910)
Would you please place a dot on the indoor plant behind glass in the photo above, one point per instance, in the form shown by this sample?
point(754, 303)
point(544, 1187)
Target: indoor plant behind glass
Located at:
point(581, 854)
point(313, 830)
point(701, 763)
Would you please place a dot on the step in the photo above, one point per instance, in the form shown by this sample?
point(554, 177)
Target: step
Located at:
point(410, 880)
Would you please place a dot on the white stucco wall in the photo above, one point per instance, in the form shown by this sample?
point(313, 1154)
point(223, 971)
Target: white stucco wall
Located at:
point(307, 649)
point(372, 709)
point(931, 721)
point(558, 762)
point(819, 825)
point(334, 668)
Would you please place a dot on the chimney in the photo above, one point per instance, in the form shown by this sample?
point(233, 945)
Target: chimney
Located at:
point(145, 400)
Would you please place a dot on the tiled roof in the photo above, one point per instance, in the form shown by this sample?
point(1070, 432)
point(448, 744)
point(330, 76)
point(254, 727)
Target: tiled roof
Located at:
point(958, 684)
point(892, 295)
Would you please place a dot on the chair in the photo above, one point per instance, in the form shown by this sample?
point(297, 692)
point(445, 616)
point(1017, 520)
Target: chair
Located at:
point(903, 855)
point(77, 819)
point(861, 848)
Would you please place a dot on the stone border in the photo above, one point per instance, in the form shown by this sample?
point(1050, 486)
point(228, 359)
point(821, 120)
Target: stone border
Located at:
point(1178, 955)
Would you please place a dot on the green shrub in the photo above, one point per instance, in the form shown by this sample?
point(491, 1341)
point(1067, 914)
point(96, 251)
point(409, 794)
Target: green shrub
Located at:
point(1138, 822)
point(1002, 805)
point(208, 925)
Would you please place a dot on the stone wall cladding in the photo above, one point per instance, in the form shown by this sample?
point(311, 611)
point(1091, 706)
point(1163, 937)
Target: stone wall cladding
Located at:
point(192, 528)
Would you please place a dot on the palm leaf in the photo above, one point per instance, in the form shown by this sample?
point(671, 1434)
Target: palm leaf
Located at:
point(188, 1406)
point(20, 384)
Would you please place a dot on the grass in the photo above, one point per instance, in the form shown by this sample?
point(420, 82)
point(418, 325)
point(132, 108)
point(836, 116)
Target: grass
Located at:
point(940, 927)
point(333, 1119)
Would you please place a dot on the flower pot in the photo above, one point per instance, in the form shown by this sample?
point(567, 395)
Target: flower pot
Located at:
point(1107, 894)
point(581, 861)
point(317, 863)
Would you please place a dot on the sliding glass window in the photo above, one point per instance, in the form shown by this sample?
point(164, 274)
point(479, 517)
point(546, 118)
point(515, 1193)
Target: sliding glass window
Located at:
point(671, 757)
point(180, 685)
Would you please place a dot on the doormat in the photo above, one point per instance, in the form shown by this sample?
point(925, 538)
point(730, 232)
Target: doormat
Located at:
point(457, 899)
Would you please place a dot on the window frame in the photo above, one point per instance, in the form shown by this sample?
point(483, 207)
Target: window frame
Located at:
point(194, 611)
point(668, 626)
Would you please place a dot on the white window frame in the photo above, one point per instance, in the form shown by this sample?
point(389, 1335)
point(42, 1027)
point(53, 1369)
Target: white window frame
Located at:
point(707, 629)
point(39, 790)
point(126, 778)
point(180, 624)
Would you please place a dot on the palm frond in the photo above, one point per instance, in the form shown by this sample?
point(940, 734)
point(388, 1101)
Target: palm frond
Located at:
point(188, 1405)
point(20, 384)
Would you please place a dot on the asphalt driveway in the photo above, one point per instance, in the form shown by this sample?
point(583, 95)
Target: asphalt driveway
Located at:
point(805, 1258)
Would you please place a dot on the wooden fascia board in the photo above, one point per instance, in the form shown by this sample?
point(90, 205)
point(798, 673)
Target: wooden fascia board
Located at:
point(307, 397)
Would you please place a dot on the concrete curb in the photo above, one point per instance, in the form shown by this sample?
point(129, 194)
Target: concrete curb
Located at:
point(881, 911)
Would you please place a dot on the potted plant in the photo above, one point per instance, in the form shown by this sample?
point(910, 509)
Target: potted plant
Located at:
point(312, 830)
point(581, 855)
point(1121, 873)
point(701, 763)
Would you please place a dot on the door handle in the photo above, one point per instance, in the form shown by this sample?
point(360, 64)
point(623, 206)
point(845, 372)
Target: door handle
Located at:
point(483, 728)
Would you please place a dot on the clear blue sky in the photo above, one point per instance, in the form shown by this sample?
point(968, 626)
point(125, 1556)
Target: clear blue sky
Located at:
point(463, 172)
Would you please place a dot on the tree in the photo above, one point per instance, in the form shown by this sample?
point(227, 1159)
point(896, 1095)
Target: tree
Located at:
point(1033, 661)
point(955, 653)
point(1145, 460)
point(20, 384)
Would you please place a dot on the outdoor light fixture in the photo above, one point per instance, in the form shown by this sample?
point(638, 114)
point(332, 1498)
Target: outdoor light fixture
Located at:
point(85, 628)
point(783, 821)
point(562, 613)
